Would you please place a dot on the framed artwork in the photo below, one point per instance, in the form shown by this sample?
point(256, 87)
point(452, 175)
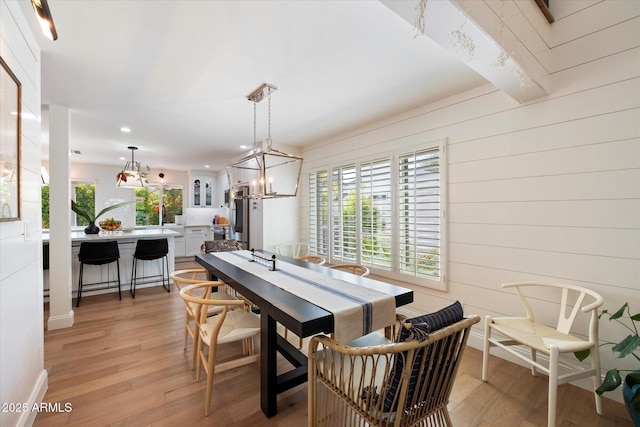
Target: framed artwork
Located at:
point(10, 102)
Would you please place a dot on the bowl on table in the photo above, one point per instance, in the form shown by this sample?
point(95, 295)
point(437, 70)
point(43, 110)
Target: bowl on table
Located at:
point(110, 225)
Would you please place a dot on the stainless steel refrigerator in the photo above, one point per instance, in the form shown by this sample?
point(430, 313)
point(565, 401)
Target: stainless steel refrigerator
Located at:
point(239, 220)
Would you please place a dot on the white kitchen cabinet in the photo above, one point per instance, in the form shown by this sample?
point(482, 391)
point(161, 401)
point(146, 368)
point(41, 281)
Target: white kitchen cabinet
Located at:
point(201, 191)
point(194, 237)
point(179, 246)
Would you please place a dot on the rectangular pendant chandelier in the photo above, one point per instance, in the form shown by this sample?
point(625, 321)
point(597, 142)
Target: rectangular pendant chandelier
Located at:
point(266, 173)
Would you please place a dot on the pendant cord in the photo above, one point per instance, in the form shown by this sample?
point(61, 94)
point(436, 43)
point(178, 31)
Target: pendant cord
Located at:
point(255, 140)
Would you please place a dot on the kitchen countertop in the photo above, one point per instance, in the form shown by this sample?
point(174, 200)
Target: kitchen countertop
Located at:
point(77, 236)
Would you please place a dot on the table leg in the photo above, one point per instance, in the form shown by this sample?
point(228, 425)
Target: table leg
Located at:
point(268, 366)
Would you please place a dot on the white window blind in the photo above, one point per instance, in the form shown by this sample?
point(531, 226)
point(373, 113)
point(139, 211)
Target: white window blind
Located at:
point(319, 213)
point(343, 214)
point(375, 208)
point(419, 213)
point(386, 213)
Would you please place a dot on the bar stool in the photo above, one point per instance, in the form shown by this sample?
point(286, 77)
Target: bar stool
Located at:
point(98, 253)
point(147, 250)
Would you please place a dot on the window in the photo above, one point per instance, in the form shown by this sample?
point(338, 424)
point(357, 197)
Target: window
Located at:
point(45, 207)
point(385, 213)
point(343, 214)
point(419, 213)
point(375, 208)
point(319, 212)
point(149, 211)
point(85, 197)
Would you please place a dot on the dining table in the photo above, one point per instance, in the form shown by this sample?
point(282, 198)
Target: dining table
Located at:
point(307, 299)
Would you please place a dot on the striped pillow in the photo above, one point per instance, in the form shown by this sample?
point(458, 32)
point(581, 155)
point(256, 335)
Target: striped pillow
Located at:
point(421, 327)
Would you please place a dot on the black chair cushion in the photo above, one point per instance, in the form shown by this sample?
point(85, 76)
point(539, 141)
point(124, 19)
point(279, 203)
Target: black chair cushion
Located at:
point(98, 253)
point(148, 249)
point(421, 326)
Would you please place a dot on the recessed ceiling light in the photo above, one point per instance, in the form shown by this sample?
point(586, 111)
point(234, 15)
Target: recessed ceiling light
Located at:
point(125, 129)
point(207, 166)
point(122, 158)
point(244, 147)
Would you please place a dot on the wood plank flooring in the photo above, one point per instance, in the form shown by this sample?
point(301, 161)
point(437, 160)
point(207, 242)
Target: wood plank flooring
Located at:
point(122, 364)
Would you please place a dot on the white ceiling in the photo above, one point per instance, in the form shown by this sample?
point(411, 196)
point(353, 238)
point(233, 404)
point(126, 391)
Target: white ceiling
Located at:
point(178, 72)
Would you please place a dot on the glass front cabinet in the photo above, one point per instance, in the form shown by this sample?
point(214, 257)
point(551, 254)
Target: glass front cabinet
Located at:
point(201, 191)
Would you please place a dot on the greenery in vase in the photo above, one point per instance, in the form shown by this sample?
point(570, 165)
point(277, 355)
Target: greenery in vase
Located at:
point(89, 216)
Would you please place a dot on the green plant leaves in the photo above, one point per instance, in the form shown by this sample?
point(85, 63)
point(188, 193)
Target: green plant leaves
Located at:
point(582, 355)
point(88, 216)
point(611, 381)
point(627, 346)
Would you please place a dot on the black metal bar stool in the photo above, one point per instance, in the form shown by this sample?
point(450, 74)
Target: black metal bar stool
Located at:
point(98, 253)
point(147, 250)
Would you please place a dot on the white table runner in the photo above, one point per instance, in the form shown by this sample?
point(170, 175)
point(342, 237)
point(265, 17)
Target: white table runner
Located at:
point(357, 310)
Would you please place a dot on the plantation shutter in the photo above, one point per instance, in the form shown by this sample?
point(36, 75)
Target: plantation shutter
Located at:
point(419, 213)
point(319, 213)
point(375, 208)
point(343, 214)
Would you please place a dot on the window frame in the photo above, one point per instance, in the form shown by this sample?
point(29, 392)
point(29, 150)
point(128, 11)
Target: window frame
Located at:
point(160, 188)
point(74, 185)
point(394, 273)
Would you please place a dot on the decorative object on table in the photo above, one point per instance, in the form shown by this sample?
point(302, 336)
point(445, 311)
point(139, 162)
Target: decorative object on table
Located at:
point(269, 173)
point(629, 346)
point(10, 131)
point(110, 224)
point(260, 258)
point(92, 228)
point(132, 176)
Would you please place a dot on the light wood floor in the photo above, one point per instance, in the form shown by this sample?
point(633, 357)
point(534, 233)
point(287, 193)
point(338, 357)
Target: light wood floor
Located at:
point(122, 364)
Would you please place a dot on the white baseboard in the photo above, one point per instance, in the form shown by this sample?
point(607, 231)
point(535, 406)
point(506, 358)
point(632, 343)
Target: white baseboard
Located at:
point(35, 398)
point(60, 322)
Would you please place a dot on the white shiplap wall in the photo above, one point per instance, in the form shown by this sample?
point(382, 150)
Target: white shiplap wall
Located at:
point(22, 375)
point(547, 190)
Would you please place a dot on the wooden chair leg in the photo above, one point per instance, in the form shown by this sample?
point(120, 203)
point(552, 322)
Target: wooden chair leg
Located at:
point(186, 329)
point(597, 378)
point(554, 358)
point(487, 349)
point(210, 371)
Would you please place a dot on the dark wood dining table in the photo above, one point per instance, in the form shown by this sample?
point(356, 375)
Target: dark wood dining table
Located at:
point(293, 312)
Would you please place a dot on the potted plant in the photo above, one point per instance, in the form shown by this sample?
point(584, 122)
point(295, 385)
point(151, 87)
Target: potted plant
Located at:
point(629, 346)
point(89, 216)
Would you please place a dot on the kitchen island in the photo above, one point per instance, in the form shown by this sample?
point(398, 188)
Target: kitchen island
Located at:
point(126, 244)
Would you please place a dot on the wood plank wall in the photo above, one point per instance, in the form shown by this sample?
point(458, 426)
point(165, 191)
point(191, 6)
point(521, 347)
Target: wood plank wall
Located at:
point(547, 190)
point(22, 374)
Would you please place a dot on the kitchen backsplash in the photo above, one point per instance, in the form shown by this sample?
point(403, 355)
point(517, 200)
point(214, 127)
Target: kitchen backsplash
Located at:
point(203, 216)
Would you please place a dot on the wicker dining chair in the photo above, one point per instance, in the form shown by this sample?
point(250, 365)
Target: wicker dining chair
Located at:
point(232, 324)
point(293, 249)
point(402, 383)
point(358, 269)
point(314, 259)
point(192, 276)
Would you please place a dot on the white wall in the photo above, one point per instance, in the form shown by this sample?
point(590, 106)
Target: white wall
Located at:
point(548, 190)
point(22, 375)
